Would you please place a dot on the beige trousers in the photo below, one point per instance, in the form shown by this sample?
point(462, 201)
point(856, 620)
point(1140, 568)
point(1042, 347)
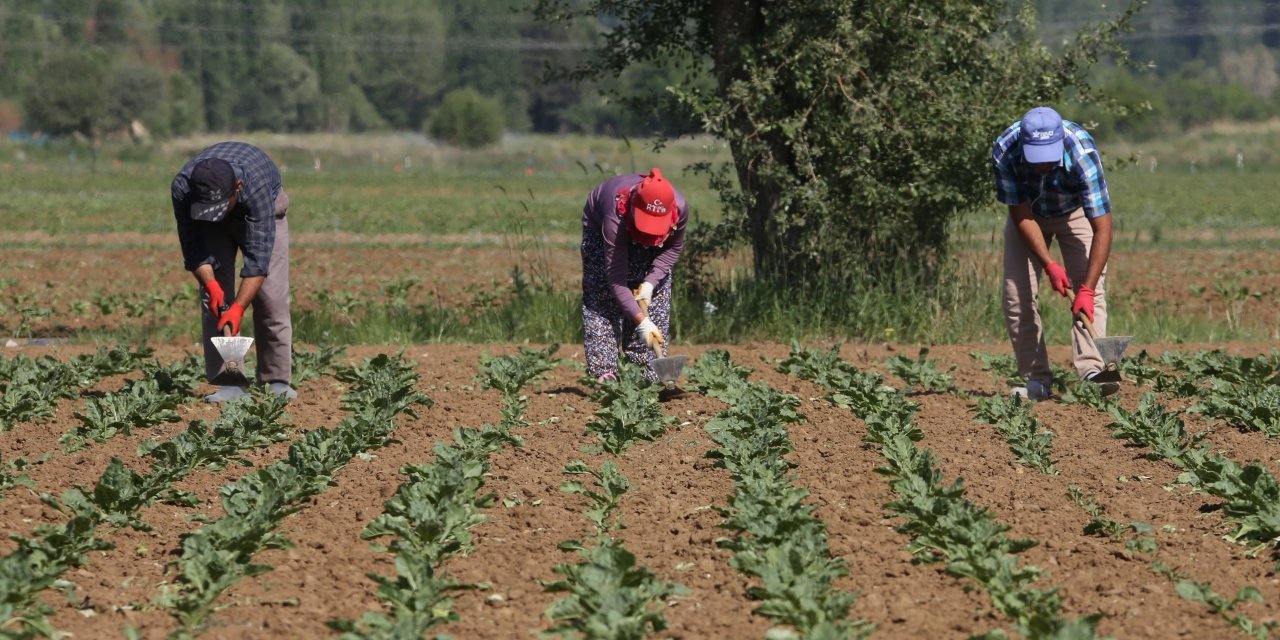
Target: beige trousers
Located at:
point(1021, 286)
point(272, 323)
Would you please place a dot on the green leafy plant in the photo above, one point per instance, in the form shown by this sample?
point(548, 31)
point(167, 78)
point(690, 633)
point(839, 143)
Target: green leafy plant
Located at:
point(609, 594)
point(309, 364)
point(629, 410)
point(509, 374)
point(1003, 367)
point(1012, 416)
point(1087, 393)
point(138, 405)
point(1251, 406)
point(1221, 606)
point(922, 372)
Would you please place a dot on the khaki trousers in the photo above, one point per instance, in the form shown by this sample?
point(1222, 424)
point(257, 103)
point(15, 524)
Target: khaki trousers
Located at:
point(1021, 286)
point(272, 324)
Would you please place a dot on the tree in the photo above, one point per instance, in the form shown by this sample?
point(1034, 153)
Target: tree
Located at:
point(70, 94)
point(859, 129)
point(400, 49)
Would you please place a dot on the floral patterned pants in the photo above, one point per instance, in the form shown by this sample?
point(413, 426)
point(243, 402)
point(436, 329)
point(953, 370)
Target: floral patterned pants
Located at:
point(605, 326)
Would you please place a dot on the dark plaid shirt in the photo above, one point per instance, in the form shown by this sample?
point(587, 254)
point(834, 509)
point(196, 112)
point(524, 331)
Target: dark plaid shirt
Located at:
point(256, 206)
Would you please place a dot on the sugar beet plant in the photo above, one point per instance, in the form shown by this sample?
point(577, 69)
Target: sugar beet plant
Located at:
point(777, 539)
point(39, 561)
point(221, 553)
point(629, 410)
point(430, 516)
point(1251, 406)
point(1250, 493)
point(609, 595)
point(944, 525)
point(32, 387)
point(1011, 415)
point(922, 372)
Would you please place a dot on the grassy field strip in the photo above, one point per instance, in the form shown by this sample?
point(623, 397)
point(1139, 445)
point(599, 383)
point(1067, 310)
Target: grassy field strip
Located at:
point(39, 561)
point(430, 516)
point(944, 525)
point(776, 539)
point(608, 594)
point(32, 387)
point(629, 410)
point(221, 553)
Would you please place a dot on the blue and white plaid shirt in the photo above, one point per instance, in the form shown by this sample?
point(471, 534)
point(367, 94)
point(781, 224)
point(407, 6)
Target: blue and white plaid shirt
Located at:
point(256, 205)
point(1076, 183)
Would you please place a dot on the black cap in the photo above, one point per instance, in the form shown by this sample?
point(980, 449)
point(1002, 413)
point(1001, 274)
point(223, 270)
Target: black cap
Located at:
point(213, 182)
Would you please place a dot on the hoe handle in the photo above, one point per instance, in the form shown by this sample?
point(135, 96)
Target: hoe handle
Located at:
point(1088, 324)
point(644, 306)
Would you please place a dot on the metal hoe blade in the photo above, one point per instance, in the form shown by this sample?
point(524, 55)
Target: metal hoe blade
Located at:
point(232, 351)
point(668, 369)
point(1112, 349)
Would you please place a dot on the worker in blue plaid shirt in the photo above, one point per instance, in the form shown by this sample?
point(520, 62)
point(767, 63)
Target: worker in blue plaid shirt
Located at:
point(230, 197)
point(1048, 171)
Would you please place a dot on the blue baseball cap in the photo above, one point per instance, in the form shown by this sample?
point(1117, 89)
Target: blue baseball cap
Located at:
point(1041, 136)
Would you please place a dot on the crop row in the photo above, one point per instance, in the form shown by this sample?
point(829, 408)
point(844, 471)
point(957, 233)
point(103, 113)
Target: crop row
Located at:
point(39, 561)
point(33, 386)
point(777, 539)
point(629, 409)
point(943, 524)
point(221, 553)
point(430, 516)
point(609, 595)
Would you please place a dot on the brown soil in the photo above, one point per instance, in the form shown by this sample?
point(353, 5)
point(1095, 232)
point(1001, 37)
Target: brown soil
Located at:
point(671, 528)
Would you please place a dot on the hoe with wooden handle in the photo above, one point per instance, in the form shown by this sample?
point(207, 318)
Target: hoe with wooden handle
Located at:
point(232, 350)
point(667, 368)
point(1111, 349)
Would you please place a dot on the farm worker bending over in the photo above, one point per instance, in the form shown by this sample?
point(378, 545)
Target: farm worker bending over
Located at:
point(230, 197)
point(1050, 174)
point(632, 235)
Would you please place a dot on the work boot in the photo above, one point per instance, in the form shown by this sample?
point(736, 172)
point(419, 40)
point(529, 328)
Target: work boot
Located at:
point(1109, 387)
point(226, 393)
point(280, 388)
point(1035, 391)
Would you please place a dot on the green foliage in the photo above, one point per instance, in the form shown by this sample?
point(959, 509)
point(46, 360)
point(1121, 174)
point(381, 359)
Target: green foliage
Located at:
point(1250, 493)
point(859, 130)
point(139, 404)
point(609, 594)
point(1250, 406)
point(70, 94)
point(1138, 370)
point(1003, 367)
point(8, 479)
point(430, 515)
point(852, 389)
point(629, 410)
point(309, 364)
point(1100, 524)
point(467, 119)
point(944, 525)
point(33, 387)
point(509, 374)
point(1203, 593)
point(220, 554)
point(922, 372)
point(1088, 394)
point(777, 538)
point(1012, 416)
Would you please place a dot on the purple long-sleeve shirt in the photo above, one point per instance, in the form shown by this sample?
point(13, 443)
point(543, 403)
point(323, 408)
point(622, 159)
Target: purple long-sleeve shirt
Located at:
point(601, 212)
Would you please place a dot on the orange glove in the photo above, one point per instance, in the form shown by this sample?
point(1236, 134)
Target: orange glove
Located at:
point(216, 297)
point(232, 317)
point(1058, 278)
point(1084, 303)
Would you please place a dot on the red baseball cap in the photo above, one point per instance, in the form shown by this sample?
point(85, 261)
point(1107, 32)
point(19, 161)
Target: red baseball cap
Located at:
point(653, 206)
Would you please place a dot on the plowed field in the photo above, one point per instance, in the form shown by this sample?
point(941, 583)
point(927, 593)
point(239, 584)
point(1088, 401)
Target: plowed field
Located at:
point(672, 525)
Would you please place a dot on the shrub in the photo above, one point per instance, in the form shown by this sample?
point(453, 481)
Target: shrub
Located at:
point(467, 119)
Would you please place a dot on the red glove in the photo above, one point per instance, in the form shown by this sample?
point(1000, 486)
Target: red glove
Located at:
point(232, 317)
point(1084, 303)
point(216, 297)
point(1058, 278)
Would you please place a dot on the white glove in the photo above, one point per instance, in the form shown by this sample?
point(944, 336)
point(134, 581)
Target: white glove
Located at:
point(644, 292)
point(648, 331)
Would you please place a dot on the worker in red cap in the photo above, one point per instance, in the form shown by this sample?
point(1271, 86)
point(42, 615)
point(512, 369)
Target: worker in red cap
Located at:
point(632, 235)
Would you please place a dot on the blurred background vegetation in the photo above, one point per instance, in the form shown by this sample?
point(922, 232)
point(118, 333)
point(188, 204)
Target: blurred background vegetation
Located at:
point(161, 68)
